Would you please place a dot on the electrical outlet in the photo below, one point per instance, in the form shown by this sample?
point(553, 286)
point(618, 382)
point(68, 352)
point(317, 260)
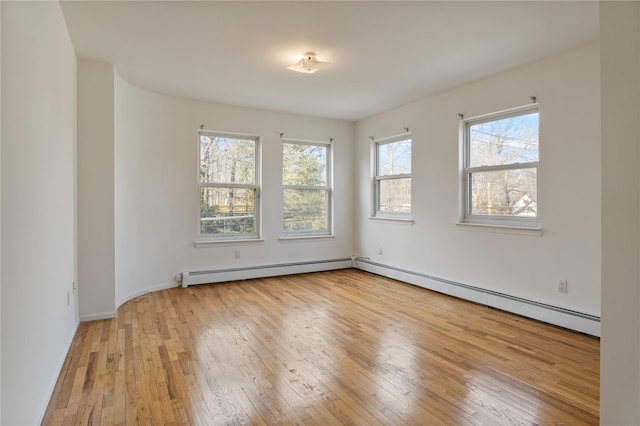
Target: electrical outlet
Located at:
point(380, 251)
point(563, 286)
point(237, 253)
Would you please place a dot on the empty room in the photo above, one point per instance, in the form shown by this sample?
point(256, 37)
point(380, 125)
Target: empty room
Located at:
point(320, 212)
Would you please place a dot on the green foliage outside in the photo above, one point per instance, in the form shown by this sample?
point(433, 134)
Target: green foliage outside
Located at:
point(225, 209)
point(304, 176)
point(232, 217)
point(304, 210)
point(227, 178)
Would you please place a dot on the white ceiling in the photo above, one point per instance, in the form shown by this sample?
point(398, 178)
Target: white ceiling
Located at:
point(383, 53)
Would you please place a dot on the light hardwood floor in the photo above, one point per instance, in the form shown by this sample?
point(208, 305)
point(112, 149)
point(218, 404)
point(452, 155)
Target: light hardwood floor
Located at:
point(341, 347)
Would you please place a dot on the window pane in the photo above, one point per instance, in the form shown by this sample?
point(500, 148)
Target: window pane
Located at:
point(304, 164)
point(504, 193)
point(227, 211)
point(506, 141)
point(227, 160)
point(394, 195)
point(305, 210)
point(394, 158)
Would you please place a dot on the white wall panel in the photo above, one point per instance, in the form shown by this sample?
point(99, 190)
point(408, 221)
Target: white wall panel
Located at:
point(39, 309)
point(157, 196)
point(524, 266)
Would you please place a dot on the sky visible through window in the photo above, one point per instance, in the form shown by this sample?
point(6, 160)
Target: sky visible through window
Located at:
point(498, 188)
point(393, 184)
point(506, 141)
point(394, 158)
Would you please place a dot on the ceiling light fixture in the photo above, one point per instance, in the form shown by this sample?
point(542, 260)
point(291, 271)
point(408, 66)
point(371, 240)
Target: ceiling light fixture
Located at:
point(308, 64)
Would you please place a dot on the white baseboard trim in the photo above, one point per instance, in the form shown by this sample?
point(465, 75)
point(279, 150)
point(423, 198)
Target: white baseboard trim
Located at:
point(98, 316)
point(52, 385)
point(124, 299)
point(262, 271)
point(151, 289)
point(563, 317)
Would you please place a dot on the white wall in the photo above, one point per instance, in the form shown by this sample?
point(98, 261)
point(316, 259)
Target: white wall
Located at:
point(37, 157)
point(145, 169)
point(37, 142)
point(620, 346)
point(38, 205)
point(156, 195)
point(96, 254)
point(567, 87)
point(0, 218)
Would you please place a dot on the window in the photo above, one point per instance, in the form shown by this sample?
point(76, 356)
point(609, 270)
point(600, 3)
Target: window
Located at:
point(393, 176)
point(306, 185)
point(501, 168)
point(228, 183)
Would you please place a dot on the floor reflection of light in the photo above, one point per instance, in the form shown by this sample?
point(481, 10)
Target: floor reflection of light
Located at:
point(396, 367)
point(490, 398)
point(217, 375)
point(319, 361)
point(304, 343)
point(270, 361)
point(397, 352)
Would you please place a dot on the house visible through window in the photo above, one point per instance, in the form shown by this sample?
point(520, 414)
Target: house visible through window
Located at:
point(306, 186)
point(228, 183)
point(501, 154)
point(393, 176)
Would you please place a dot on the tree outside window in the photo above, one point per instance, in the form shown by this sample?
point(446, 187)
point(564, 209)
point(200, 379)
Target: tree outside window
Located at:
point(306, 188)
point(228, 186)
point(393, 176)
point(501, 167)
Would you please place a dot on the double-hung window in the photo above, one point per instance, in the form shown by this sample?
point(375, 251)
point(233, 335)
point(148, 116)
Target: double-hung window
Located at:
point(306, 186)
point(392, 180)
point(499, 179)
point(229, 186)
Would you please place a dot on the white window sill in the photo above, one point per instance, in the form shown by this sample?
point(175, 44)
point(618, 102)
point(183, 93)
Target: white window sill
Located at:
point(400, 220)
point(289, 238)
point(500, 229)
point(211, 243)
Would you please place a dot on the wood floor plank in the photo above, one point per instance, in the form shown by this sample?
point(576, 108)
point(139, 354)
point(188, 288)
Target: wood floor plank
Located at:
point(331, 348)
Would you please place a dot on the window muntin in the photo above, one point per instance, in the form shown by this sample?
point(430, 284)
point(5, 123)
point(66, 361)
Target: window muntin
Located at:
point(501, 154)
point(306, 186)
point(393, 176)
point(228, 186)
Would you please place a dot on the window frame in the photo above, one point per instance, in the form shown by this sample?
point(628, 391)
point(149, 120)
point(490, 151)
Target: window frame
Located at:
point(255, 235)
point(377, 178)
point(466, 215)
point(328, 188)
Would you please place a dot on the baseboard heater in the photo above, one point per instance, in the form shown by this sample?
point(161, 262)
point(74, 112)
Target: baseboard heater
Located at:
point(262, 271)
point(563, 317)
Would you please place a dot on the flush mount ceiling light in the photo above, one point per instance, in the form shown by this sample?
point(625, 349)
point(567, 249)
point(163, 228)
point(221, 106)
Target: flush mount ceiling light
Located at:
point(308, 64)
